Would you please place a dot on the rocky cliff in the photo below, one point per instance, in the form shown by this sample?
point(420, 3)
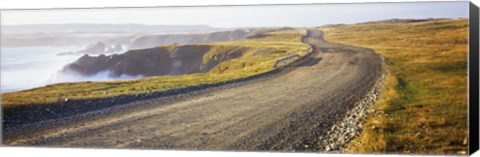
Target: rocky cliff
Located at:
point(167, 60)
point(150, 62)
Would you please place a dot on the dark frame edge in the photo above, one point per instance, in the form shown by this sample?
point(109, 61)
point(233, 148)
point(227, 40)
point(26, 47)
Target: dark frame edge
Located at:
point(473, 79)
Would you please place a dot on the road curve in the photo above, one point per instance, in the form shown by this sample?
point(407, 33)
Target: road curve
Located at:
point(283, 112)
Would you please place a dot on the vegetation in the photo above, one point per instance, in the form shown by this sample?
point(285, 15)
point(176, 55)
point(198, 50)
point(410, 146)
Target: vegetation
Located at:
point(423, 106)
point(258, 56)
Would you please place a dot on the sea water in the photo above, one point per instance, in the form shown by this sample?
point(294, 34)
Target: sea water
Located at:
point(30, 67)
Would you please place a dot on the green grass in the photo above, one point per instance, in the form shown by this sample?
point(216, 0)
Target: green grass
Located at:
point(423, 107)
point(258, 56)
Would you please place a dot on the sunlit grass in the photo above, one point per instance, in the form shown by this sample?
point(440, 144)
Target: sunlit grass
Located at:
point(423, 108)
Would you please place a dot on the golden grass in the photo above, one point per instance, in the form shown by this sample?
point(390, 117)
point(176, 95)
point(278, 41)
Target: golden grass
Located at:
point(258, 56)
point(423, 107)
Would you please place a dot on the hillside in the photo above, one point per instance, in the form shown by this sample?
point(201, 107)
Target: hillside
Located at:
point(423, 107)
point(255, 56)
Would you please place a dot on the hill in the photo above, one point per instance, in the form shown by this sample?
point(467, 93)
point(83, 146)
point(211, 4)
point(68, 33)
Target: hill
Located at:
point(423, 107)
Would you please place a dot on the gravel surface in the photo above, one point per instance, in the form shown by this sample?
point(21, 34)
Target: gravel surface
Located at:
point(288, 110)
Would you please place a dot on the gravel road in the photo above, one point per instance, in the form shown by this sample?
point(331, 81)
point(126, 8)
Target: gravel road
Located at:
point(287, 111)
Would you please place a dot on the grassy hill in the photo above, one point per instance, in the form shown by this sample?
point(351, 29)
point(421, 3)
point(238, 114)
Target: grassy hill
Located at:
point(423, 107)
point(258, 54)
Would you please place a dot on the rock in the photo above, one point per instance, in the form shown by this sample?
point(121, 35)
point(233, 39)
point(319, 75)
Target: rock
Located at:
point(347, 128)
point(98, 48)
point(148, 62)
point(352, 134)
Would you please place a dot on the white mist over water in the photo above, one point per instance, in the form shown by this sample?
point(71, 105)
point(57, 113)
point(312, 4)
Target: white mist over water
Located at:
point(106, 75)
point(30, 67)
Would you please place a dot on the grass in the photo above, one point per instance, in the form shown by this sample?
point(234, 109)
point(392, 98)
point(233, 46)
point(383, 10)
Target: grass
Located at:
point(258, 56)
point(423, 106)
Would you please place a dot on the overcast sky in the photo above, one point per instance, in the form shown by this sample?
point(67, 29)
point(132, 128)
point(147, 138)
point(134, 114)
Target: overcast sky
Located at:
point(243, 16)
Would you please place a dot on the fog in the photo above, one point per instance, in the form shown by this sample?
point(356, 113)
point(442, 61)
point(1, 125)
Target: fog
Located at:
point(60, 76)
point(30, 67)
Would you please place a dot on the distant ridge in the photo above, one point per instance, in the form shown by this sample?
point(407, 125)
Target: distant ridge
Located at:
point(396, 20)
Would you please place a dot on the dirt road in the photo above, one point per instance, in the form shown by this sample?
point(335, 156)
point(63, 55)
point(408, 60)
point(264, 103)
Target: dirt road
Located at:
point(283, 112)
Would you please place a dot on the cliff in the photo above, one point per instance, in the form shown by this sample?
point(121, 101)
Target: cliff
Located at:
point(156, 61)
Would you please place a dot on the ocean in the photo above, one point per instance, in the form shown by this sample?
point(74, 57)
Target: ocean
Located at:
point(30, 67)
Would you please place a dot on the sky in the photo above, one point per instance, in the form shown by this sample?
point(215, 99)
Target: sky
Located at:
point(243, 16)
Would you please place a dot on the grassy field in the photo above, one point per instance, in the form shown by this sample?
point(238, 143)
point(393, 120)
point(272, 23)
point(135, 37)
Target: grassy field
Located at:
point(258, 56)
point(423, 107)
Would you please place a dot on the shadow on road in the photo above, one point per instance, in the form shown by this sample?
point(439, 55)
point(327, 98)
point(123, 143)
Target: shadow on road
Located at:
point(310, 61)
